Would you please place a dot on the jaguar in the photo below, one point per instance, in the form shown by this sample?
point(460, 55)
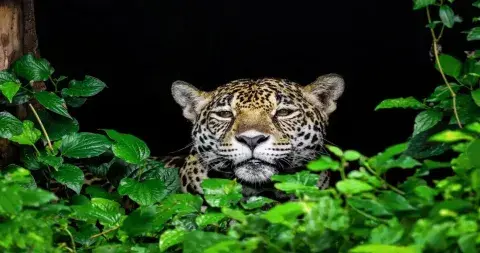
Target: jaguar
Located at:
point(252, 129)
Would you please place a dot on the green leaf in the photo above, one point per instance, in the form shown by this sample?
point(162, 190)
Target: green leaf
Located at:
point(29, 135)
point(394, 201)
point(147, 192)
point(6, 76)
point(55, 125)
point(468, 243)
point(170, 238)
point(447, 16)
point(255, 202)
point(470, 72)
point(352, 155)
point(9, 125)
point(169, 176)
point(450, 136)
point(426, 120)
point(326, 213)
point(53, 103)
point(236, 214)
point(474, 127)
point(442, 92)
point(461, 164)
point(476, 4)
point(419, 4)
point(51, 160)
point(139, 221)
point(107, 212)
point(352, 186)
point(419, 147)
point(451, 66)
point(32, 69)
point(9, 89)
point(389, 233)
point(221, 192)
point(302, 177)
point(36, 197)
point(403, 162)
point(75, 102)
point(71, 176)
point(179, 204)
point(58, 128)
point(323, 163)
point(380, 248)
point(363, 175)
point(128, 147)
point(30, 160)
point(199, 241)
point(456, 205)
point(408, 102)
point(473, 153)
point(285, 213)
point(84, 234)
point(182, 203)
point(88, 87)
point(476, 96)
point(19, 175)
point(335, 150)
point(474, 34)
point(370, 206)
point(10, 203)
point(425, 192)
point(95, 191)
point(84, 145)
point(209, 219)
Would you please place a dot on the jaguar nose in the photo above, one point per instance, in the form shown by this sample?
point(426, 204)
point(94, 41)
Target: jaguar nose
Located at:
point(252, 142)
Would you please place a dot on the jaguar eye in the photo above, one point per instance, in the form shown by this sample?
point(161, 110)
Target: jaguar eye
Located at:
point(284, 112)
point(224, 114)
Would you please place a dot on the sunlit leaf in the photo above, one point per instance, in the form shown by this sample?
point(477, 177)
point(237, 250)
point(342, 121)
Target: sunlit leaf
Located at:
point(408, 102)
point(451, 136)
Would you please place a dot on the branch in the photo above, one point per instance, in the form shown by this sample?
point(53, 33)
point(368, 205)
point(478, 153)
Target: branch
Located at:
point(437, 59)
point(41, 126)
point(105, 232)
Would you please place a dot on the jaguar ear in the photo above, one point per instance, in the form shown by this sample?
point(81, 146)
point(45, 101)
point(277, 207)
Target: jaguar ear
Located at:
point(324, 92)
point(191, 99)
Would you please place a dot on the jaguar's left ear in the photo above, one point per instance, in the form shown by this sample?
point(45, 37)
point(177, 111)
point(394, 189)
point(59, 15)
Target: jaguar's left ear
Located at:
point(324, 92)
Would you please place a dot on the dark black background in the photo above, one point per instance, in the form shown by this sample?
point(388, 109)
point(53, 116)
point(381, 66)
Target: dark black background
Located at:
point(138, 48)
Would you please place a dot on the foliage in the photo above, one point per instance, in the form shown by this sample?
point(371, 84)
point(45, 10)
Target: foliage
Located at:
point(362, 212)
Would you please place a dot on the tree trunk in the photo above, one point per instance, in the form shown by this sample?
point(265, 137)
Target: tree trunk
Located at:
point(17, 37)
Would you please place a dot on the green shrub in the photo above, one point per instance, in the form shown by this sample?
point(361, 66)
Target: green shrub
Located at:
point(362, 212)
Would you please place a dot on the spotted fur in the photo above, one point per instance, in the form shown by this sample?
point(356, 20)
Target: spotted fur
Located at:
point(251, 129)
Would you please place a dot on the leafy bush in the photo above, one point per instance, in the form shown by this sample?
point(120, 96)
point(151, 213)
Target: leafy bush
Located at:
point(145, 212)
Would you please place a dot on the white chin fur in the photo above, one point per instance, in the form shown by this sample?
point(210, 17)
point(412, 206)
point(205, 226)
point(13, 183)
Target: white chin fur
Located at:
point(255, 173)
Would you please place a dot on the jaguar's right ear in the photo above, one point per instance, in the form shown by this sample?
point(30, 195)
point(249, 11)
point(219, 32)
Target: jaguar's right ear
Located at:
point(191, 99)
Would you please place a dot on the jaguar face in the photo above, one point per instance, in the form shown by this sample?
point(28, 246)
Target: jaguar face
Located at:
point(253, 129)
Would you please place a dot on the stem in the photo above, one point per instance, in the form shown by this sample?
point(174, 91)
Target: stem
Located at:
point(393, 188)
point(366, 214)
point(437, 59)
point(27, 90)
point(342, 169)
point(36, 149)
point(54, 83)
point(71, 238)
point(266, 241)
point(105, 232)
point(41, 126)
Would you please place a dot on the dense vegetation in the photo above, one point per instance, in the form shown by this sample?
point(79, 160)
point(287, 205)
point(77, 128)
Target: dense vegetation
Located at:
point(146, 213)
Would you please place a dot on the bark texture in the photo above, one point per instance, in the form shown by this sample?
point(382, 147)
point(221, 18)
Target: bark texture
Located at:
point(17, 37)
